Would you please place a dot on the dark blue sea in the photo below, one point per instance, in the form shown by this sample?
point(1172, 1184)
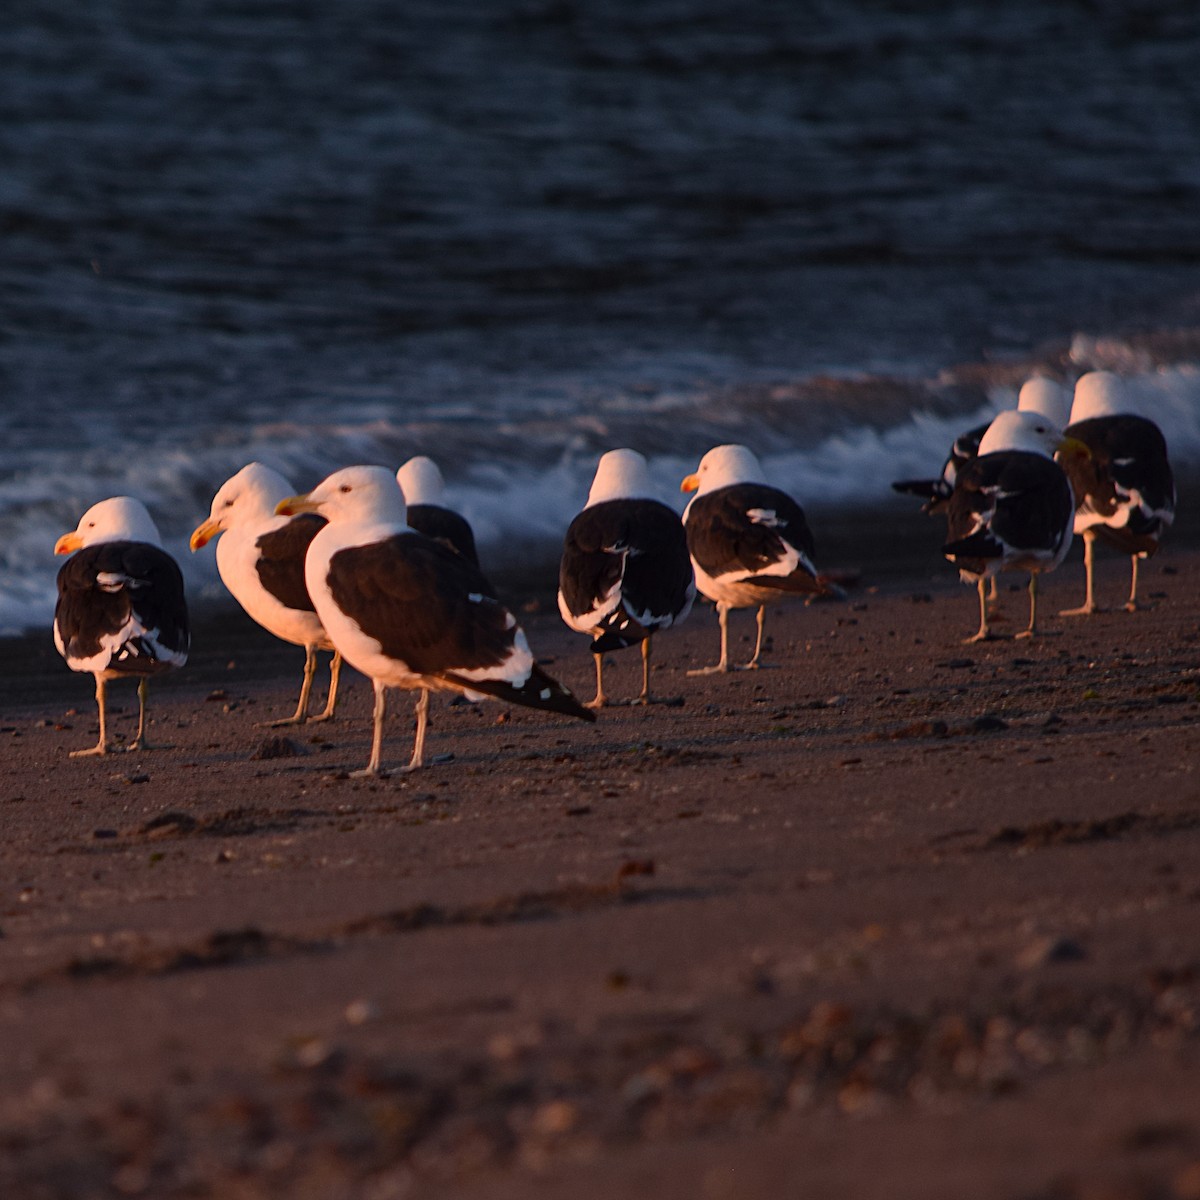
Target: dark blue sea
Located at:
point(513, 235)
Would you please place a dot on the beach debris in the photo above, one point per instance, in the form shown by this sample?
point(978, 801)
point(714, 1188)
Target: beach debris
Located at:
point(277, 747)
point(1051, 948)
point(168, 824)
point(359, 1012)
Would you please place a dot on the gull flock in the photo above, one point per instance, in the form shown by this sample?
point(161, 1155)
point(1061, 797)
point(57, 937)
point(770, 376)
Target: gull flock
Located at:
point(372, 567)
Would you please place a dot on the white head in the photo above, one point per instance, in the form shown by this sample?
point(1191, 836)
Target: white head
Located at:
point(620, 475)
point(1044, 396)
point(358, 495)
point(421, 481)
point(118, 519)
point(1026, 431)
point(722, 466)
point(1099, 394)
point(249, 497)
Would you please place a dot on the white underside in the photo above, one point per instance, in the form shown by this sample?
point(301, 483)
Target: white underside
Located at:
point(1086, 517)
point(595, 617)
point(111, 645)
point(737, 589)
point(236, 559)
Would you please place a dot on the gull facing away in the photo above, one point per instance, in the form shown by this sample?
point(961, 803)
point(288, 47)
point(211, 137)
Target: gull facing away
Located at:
point(625, 572)
point(1011, 509)
point(424, 489)
point(1124, 488)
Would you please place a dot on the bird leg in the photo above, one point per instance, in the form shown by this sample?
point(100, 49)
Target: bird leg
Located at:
point(600, 699)
point(372, 768)
point(335, 675)
point(422, 713)
point(994, 607)
point(1131, 605)
point(722, 666)
point(141, 740)
point(753, 664)
point(1089, 604)
point(984, 634)
point(301, 713)
point(101, 747)
point(1033, 590)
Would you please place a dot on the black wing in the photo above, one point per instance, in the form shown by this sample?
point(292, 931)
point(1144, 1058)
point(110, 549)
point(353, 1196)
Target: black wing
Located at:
point(637, 546)
point(432, 610)
point(128, 595)
point(743, 528)
point(280, 564)
point(936, 491)
point(1006, 502)
point(445, 526)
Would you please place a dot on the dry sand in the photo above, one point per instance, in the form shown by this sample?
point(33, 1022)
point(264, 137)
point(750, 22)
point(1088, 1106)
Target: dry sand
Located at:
point(901, 918)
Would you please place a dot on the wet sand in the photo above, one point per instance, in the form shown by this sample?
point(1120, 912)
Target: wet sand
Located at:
point(902, 917)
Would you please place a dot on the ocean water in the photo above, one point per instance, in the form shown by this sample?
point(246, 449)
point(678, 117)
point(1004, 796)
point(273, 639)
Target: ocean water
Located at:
point(514, 235)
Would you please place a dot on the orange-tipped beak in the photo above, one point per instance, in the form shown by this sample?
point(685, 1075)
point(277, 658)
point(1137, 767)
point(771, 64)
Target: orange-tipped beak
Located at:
point(204, 533)
point(1072, 448)
point(68, 543)
point(690, 484)
point(294, 505)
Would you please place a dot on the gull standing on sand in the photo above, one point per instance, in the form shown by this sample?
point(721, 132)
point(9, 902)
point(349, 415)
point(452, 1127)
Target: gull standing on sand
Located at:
point(749, 542)
point(1012, 508)
point(261, 561)
point(1037, 395)
point(1125, 489)
point(625, 571)
point(408, 612)
point(424, 489)
point(121, 608)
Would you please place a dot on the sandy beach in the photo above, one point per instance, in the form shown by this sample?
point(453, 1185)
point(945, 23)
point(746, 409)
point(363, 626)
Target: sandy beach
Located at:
point(900, 918)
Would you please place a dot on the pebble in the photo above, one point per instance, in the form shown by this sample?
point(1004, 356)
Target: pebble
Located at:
point(1050, 949)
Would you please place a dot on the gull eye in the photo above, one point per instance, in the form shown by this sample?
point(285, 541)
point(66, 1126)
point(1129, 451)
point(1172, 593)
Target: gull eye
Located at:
point(344, 488)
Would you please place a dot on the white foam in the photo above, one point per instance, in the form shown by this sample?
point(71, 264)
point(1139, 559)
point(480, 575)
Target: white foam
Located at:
point(512, 505)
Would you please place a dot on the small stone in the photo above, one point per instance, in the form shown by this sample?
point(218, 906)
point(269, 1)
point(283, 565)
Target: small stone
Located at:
point(359, 1012)
point(277, 747)
point(988, 724)
point(555, 1117)
point(1045, 950)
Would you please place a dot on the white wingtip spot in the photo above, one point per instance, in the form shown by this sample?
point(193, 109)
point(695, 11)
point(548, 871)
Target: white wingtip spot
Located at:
point(545, 693)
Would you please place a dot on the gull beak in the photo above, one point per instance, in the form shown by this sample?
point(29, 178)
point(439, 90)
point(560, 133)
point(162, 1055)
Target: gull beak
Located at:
point(1071, 447)
point(204, 533)
point(690, 484)
point(68, 543)
point(295, 505)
